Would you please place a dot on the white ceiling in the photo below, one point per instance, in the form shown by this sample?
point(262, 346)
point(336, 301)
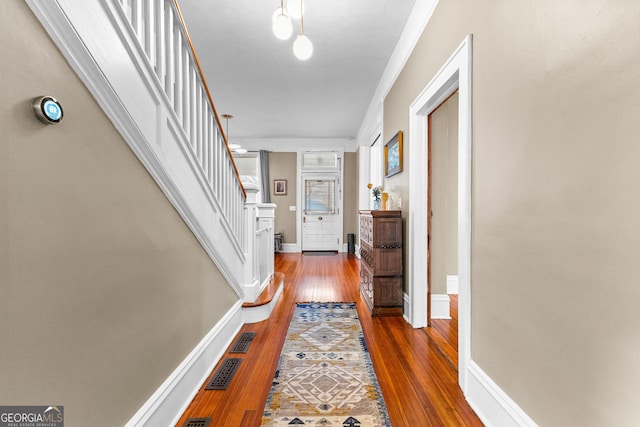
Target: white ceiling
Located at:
point(271, 94)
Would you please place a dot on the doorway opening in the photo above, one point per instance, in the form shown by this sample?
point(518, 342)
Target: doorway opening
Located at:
point(455, 75)
point(320, 178)
point(442, 226)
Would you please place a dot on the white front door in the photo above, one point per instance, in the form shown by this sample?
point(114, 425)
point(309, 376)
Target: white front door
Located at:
point(320, 217)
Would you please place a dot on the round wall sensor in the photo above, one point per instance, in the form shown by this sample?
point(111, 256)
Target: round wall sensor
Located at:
point(47, 109)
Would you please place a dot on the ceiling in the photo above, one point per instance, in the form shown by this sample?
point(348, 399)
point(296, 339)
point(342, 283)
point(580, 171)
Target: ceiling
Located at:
point(273, 95)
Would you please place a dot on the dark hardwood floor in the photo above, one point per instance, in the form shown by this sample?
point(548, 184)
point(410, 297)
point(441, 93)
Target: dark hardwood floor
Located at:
point(416, 375)
point(444, 332)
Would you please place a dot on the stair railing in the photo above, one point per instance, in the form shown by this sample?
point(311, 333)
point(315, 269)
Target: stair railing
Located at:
point(159, 27)
point(138, 61)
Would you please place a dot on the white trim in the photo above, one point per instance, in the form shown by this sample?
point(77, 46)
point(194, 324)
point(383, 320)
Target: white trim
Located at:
point(292, 145)
point(141, 112)
point(171, 399)
point(492, 405)
point(320, 174)
point(452, 285)
point(406, 306)
point(418, 19)
point(454, 75)
point(357, 250)
point(371, 125)
point(364, 164)
point(440, 305)
point(290, 248)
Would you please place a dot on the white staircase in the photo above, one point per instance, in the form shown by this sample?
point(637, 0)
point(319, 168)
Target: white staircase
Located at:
point(142, 69)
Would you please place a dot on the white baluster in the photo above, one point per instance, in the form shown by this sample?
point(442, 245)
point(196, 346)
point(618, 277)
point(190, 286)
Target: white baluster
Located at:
point(205, 139)
point(177, 98)
point(219, 165)
point(186, 90)
point(136, 19)
point(201, 111)
point(196, 121)
point(128, 10)
point(211, 146)
point(148, 10)
point(160, 42)
point(193, 107)
point(170, 53)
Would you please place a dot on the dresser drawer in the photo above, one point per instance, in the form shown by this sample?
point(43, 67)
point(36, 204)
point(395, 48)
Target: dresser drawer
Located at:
point(382, 262)
point(366, 285)
point(381, 266)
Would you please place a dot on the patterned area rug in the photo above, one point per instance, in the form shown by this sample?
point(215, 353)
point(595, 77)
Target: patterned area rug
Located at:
point(325, 376)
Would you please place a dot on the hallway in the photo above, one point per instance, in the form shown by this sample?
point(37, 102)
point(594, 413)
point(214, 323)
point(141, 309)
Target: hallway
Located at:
point(419, 384)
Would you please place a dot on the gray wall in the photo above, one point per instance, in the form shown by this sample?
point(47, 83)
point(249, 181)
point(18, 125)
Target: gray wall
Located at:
point(350, 203)
point(283, 166)
point(443, 134)
point(555, 230)
point(103, 289)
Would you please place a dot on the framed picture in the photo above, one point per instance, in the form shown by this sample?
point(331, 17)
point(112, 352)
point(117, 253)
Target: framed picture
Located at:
point(393, 155)
point(279, 187)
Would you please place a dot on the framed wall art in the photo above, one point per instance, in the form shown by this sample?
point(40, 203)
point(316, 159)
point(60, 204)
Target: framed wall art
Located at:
point(393, 155)
point(279, 187)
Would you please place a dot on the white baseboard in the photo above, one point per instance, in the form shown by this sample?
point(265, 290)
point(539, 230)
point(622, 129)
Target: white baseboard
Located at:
point(171, 399)
point(290, 248)
point(406, 306)
point(440, 306)
point(491, 403)
point(452, 285)
point(358, 251)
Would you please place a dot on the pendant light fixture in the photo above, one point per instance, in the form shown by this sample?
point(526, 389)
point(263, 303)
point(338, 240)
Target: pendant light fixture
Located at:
point(236, 148)
point(302, 47)
point(282, 27)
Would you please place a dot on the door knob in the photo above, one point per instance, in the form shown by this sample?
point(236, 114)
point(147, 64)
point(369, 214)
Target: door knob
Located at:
point(319, 218)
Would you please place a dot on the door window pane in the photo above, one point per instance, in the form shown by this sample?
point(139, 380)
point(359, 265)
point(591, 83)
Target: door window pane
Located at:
point(319, 196)
point(316, 160)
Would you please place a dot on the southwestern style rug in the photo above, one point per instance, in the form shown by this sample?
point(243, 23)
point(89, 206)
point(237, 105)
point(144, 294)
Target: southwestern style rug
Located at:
point(325, 376)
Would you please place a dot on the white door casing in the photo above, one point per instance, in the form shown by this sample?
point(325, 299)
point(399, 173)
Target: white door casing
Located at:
point(454, 75)
point(331, 170)
point(320, 212)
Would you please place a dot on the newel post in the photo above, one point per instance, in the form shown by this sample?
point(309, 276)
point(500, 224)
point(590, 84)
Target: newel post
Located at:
point(250, 282)
point(266, 223)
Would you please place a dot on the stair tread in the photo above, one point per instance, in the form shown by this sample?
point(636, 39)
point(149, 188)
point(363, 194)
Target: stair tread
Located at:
point(269, 291)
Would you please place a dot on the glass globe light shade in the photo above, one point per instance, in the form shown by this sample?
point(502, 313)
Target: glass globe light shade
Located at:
point(234, 146)
point(282, 27)
point(240, 150)
point(293, 6)
point(302, 48)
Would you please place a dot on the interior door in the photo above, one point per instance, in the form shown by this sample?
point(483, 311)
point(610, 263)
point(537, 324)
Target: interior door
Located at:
point(320, 216)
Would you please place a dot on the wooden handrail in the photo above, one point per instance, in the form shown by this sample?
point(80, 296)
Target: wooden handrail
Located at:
point(206, 88)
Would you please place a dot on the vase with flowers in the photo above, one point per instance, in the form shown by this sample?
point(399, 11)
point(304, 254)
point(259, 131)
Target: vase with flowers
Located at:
point(376, 192)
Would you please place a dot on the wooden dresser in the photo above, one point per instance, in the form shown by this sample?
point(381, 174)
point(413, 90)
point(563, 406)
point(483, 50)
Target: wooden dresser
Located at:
point(381, 261)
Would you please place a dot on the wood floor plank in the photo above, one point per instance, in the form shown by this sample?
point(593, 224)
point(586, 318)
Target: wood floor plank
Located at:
point(418, 382)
